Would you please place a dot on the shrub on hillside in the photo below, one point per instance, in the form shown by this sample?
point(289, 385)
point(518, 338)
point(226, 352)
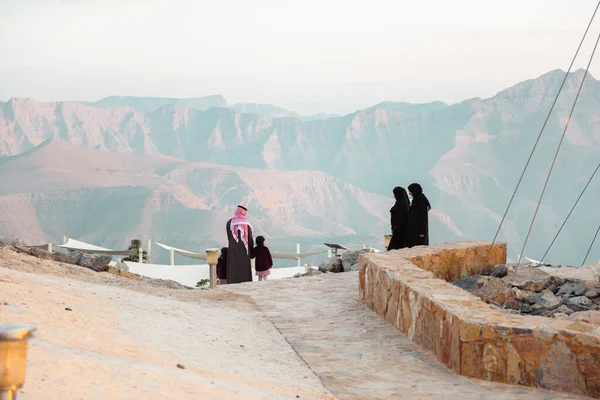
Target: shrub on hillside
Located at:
point(136, 244)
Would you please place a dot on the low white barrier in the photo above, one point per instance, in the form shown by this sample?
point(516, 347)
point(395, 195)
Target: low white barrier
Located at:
point(189, 275)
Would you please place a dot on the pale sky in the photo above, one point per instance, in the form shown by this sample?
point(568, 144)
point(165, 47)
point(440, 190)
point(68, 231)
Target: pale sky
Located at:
point(310, 56)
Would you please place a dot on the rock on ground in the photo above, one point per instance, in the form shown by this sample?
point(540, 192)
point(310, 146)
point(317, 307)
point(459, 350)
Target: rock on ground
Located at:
point(350, 259)
point(493, 290)
point(532, 279)
point(588, 273)
point(93, 262)
point(311, 272)
point(564, 310)
point(468, 284)
point(573, 288)
point(333, 264)
point(534, 291)
point(579, 303)
point(544, 299)
point(592, 294)
point(521, 295)
point(499, 271)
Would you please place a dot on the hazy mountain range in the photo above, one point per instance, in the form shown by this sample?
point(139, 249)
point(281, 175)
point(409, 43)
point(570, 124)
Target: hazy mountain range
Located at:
point(173, 169)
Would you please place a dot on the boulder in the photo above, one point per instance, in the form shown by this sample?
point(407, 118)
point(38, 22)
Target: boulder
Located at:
point(333, 264)
point(518, 306)
point(585, 273)
point(66, 258)
point(96, 263)
point(560, 316)
point(545, 299)
point(553, 288)
point(353, 267)
point(493, 290)
point(350, 259)
point(521, 295)
point(499, 271)
point(468, 284)
point(579, 303)
point(591, 317)
point(564, 310)
point(592, 294)
point(311, 272)
point(573, 288)
point(532, 279)
point(38, 253)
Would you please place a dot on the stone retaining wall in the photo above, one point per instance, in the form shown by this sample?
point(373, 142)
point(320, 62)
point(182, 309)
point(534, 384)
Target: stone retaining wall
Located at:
point(468, 335)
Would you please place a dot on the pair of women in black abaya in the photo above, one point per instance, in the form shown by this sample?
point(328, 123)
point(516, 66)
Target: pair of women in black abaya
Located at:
point(409, 219)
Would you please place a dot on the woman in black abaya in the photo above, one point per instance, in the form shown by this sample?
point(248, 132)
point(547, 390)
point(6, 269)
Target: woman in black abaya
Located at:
point(417, 231)
point(399, 219)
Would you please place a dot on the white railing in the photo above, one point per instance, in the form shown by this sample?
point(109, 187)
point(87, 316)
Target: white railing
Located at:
point(208, 255)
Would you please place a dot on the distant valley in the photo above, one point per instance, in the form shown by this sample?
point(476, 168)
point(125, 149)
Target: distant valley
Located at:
point(173, 169)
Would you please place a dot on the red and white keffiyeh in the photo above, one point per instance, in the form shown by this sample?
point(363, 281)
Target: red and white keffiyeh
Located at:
point(240, 222)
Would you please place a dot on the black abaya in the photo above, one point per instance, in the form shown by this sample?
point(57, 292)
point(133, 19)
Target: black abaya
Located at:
point(417, 232)
point(399, 219)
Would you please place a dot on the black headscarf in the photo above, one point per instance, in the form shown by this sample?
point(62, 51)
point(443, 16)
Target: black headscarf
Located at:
point(402, 201)
point(419, 199)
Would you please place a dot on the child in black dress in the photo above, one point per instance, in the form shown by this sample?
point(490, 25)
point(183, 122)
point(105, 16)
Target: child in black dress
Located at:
point(262, 259)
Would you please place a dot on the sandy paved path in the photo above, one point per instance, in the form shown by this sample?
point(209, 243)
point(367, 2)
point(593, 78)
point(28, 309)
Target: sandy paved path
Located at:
point(356, 353)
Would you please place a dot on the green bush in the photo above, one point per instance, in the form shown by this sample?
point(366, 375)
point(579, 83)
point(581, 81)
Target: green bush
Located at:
point(135, 244)
point(203, 282)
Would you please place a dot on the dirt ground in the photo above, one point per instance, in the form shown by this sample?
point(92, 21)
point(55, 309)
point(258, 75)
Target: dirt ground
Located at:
point(101, 336)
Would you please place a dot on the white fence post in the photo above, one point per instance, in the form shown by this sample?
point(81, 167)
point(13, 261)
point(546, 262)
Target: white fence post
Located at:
point(65, 238)
point(140, 255)
point(298, 252)
point(149, 251)
point(50, 247)
point(172, 257)
point(329, 254)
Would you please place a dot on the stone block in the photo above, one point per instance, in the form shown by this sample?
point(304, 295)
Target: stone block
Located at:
point(470, 332)
point(391, 314)
point(514, 366)
point(588, 364)
point(471, 360)
point(494, 363)
point(455, 343)
point(558, 370)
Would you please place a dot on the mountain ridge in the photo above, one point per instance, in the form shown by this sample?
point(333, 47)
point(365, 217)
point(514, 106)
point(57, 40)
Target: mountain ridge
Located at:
point(107, 198)
point(467, 155)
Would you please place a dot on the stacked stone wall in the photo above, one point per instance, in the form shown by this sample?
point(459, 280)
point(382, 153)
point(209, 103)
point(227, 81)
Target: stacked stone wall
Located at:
point(410, 289)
